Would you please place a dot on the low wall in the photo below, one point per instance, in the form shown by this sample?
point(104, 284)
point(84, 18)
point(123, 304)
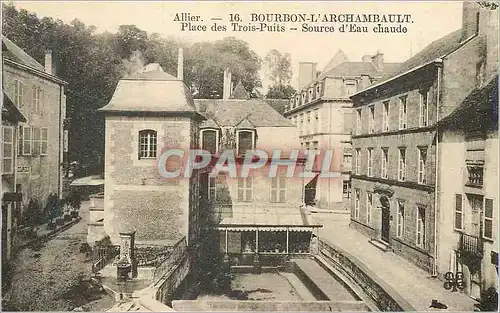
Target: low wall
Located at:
point(383, 295)
point(168, 285)
point(251, 305)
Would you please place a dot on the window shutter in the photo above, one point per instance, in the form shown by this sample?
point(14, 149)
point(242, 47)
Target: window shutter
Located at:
point(458, 212)
point(488, 218)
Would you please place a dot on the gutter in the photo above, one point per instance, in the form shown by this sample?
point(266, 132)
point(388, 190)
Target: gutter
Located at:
point(438, 60)
point(36, 72)
point(437, 214)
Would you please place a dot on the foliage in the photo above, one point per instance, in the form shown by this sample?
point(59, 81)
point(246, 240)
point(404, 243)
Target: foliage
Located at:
point(278, 67)
point(280, 92)
point(33, 215)
point(93, 63)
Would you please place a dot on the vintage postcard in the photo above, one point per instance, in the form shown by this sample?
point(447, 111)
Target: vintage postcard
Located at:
point(250, 156)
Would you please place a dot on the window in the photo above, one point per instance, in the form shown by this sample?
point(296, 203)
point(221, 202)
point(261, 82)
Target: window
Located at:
point(402, 113)
point(308, 125)
point(422, 160)
point(318, 90)
point(475, 177)
point(346, 189)
point(245, 141)
point(356, 203)
point(369, 171)
point(420, 227)
point(316, 123)
point(488, 219)
point(350, 87)
point(303, 97)
point(37, 96)
point(27, 137)
point(37, 141)
point(311, 95)
point(212, 190)
point(459, 213)
point(402, 165)
point(400, 219)
point(278, 189)
point(424, 108)
point(8, 150)
point(147, 144)
point(358, 161)
point(371, 122)
point(358, 121)
point(385, 116)
point(44, 141)
point(347, 162)
point(210, 140)
point(385, 161)
point(19, 94)
point(369, 204)
point(245, 190)
point(301, 124)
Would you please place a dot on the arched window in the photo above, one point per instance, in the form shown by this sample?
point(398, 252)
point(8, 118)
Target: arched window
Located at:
point(147, 144)
point(210, 140)
point(245, 141)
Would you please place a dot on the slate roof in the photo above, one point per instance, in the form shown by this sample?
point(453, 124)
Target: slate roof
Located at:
point(480, 107)
point(338, 58)
point(231, 112)
point(239, 92)
point(436, 49)
point(280, 105)
point(360, 68)
point(10, 112)
point(245, 124)
point(209, 123)
point(13, 52)
point(151, 91)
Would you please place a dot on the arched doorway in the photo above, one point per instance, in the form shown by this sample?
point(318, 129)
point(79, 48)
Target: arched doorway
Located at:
point(386, 216)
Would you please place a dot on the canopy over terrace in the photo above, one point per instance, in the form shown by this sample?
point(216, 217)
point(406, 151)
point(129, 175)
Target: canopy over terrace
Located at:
point(282, 230)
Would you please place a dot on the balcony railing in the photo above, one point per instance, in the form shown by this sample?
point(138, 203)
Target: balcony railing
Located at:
point(471, 244)
point(475, 177)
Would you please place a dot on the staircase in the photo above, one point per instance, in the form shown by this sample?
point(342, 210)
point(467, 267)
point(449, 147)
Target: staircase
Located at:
point(384, 246)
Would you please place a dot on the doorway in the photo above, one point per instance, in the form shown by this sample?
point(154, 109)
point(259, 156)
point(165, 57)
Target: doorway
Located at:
point(386, 216)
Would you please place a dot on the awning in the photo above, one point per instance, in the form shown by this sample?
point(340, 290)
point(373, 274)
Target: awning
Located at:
point(268, 219)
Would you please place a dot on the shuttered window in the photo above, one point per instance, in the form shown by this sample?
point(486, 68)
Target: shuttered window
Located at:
point(459, 217)
point(8, 150)
point(488, 219)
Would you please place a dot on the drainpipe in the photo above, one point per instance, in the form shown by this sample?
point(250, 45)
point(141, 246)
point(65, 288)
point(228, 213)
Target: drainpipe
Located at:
point(437, 214)
point(59, 164)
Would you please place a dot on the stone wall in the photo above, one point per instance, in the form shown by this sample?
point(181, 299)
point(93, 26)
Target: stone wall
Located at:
point(261, 306)
point(383, 295)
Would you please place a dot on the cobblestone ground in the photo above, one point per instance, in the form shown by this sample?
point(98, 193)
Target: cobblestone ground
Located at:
point(55, 276)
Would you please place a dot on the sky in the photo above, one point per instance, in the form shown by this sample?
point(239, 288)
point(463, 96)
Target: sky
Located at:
point(430, 21)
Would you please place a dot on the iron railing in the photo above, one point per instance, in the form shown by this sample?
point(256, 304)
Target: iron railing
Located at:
point(179, 250)
point(471, 244)
point(102, 256)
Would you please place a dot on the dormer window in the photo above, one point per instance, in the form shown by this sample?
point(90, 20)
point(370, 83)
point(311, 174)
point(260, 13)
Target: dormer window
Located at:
point(303, 98)
point(318, 90)
point(350, 87)
point(245, 140)
point(147, 144)
point(210, 140)
point(311, 96)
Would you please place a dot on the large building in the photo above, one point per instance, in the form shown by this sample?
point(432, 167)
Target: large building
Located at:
point(468, 192)
point(395, 152)
point(256, 214)
point(322, 111)
point(151, 112)
point(33, 145)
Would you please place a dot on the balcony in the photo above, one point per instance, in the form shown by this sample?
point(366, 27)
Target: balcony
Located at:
point(475, 175)
point(470, 245)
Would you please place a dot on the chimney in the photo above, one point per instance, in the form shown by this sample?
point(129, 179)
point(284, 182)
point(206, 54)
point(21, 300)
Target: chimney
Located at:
point(48, 62)
point(367, 58)
point(365, 81)
point(307, 73)
point(470, 19)
point(180, 65)
point(378, 61)
point(226, 91)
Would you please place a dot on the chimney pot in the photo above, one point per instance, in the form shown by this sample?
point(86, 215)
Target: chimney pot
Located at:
point(378, 61)
point(48, 62)
point(307, 73)
point(180, 65)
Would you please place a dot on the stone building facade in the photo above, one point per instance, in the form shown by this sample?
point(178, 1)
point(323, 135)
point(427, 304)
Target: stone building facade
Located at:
point(395, 145)
point(322, 111)
point(32, 163)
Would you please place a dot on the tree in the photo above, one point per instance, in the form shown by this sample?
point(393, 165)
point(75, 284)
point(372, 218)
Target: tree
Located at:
point(278, 67)
point(280, 92)
point(208, 60)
